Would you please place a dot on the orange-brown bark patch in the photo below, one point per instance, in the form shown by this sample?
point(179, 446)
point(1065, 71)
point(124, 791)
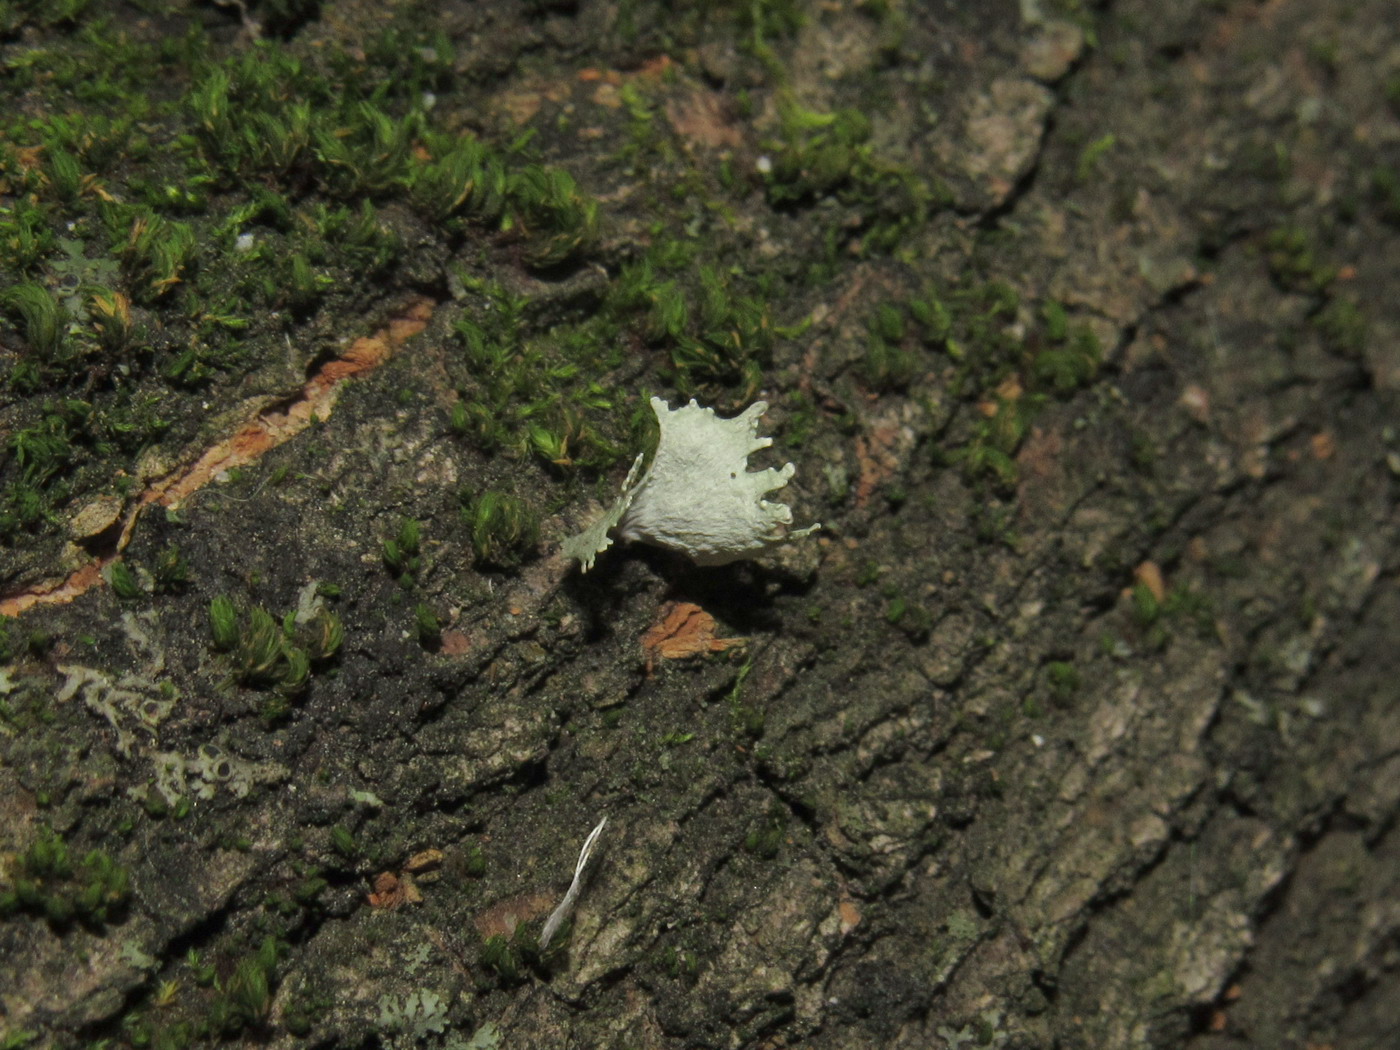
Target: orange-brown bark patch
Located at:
point(683, 629)
point(501, 919)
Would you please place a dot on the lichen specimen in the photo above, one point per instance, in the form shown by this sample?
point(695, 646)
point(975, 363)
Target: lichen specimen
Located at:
point(698, 496)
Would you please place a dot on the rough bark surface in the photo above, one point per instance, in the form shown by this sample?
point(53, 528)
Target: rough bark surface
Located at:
point(1076, 725)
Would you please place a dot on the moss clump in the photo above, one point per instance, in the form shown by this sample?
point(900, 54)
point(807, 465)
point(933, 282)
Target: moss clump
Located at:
point(1067, 356)
point(507, 958)
point(123, 581)
point(403, 553)
point(343, 842)
point(766, 837)
point(144, 283)
point(171, 572)
point(427, 626)
point(244, 999)
point(993, 378)
point(713, 329)
point(1063, 680)
point(1294, 261)
point(530, 394)
point(504, 528)
point(53, 883)
point(1343, 326)
point(819, 155)
point(266, 653)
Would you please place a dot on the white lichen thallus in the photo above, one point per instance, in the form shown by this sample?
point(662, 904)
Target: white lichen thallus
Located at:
point(698, 496)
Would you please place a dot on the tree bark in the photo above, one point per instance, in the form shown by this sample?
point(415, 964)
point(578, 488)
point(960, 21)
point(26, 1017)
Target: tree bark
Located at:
point(1073, 727)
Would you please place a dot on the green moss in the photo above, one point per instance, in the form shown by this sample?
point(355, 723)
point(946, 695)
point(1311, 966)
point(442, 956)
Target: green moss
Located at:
point(271, 114)
point(1294, 262)
point(995, 439)
point(44, 321)
point(155, 251)
point(504, 528)
point(913, 620)
point(343, 842)
point(821, 155)
point(244, 999)
point(1191, 608)
point(1063, 679)
point(1343, 326)
point(1069, 357)
point(506, 958)
point(323, 636)
point(308, 890)
point(260, 658)
point(223, 623)
point(53, 883)
point(26, 236)
point(403, 553)
point(535, 395)
point(996, 380)
point(123, 581)
point(746, 720)
point(475, 864)
point(817, 154)
point(558, 220)
point(994, 520)
point(47, 448)
point(260, 214)
point(890, 361)
point(462, 177)
point(766, 837)
point(679, 965)
point(1146, 608)
point(111, 317)
point(17, 642)
point(267, 654)
point(303, 1012)
point(714, 326)
point(1092, 154)
point(427, 626)
point(172, 571)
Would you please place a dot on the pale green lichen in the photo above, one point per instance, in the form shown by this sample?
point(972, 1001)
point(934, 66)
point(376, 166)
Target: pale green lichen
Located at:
point(698, 496)
point(127, 703)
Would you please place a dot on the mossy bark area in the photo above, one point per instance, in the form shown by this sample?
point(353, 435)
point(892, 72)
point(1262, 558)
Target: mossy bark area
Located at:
point(1073, 727)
